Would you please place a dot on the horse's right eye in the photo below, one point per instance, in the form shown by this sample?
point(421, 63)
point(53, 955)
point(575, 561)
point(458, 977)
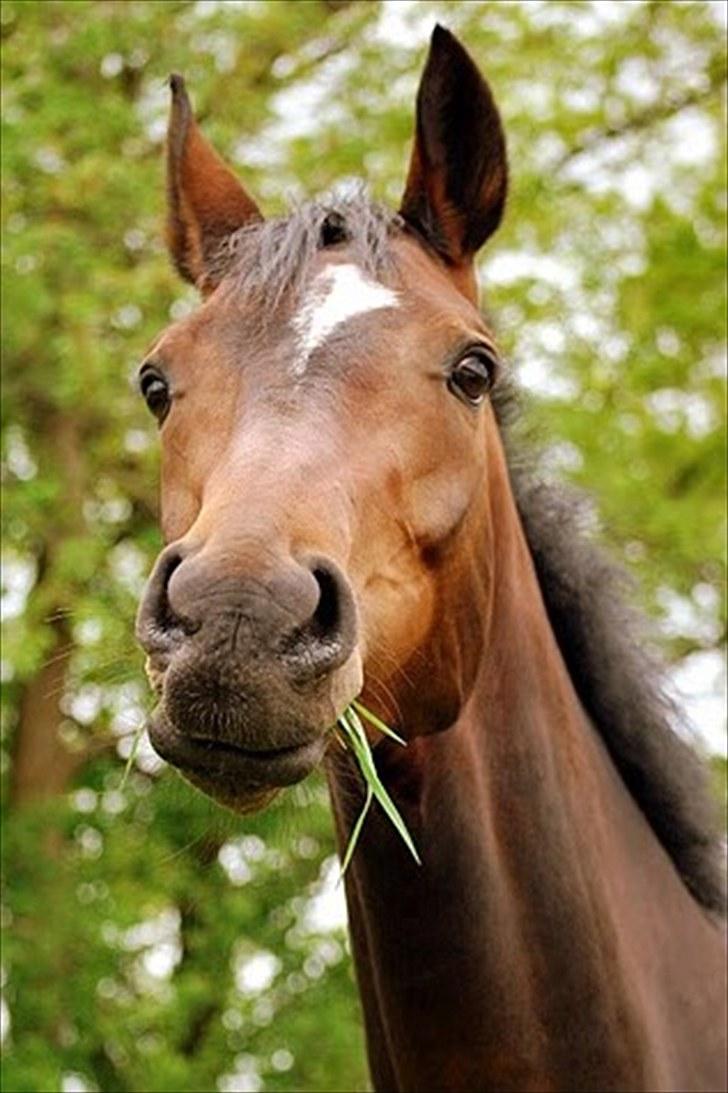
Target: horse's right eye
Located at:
point(155, 391)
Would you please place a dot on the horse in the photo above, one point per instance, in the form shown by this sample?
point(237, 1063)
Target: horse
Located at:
point(345, 514)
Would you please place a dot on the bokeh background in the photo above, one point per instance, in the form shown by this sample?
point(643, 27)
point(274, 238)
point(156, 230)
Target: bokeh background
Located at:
point(152, 942)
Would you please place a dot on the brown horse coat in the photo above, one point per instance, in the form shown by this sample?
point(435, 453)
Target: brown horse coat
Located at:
point(340, 514)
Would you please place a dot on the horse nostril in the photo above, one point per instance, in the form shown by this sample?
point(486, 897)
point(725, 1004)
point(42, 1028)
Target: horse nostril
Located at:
point(166, 618)
point(326, 618)
point(326, 640)
point(158, 627)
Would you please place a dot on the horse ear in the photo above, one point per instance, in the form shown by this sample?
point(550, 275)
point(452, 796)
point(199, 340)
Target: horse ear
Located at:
point(456, 186)
point(206, 203)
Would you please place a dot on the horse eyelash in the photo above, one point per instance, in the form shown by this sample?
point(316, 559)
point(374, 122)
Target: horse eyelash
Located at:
point(149, 366)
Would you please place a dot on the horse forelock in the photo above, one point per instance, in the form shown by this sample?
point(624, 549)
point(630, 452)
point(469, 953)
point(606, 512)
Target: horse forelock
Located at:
point(272, 259)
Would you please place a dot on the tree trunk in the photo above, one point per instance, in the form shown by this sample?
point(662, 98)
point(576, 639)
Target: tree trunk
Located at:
point(42, 764)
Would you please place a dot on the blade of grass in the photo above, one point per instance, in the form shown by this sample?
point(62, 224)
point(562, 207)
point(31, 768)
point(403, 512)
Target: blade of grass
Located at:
point(360, 746)
point(356, 831)
point(132, 756)
point(366, 762)
point(375, 721)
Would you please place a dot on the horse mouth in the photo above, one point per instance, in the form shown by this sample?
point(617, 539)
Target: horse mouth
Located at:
point(231, 773)
point(240, 731)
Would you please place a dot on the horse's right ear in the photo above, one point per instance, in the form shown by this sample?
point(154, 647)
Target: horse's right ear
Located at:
point(206, 203)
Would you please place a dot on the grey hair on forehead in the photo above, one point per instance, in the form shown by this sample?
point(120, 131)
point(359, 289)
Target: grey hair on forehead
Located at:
point(270, 259)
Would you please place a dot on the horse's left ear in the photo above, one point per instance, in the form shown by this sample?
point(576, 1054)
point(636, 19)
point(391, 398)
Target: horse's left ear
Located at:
point(206, 203)
point(457, 181)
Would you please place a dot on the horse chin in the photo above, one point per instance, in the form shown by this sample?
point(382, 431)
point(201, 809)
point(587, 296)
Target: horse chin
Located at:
point(233, 799)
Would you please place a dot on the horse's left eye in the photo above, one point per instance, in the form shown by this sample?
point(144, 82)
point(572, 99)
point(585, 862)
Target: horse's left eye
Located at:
point(472, 378)
point(155, 391)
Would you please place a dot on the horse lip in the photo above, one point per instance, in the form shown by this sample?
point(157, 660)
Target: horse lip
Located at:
point(255, 754)
point(220, 760)
point(155, 669)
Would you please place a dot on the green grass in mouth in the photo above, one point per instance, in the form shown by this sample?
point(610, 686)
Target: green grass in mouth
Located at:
point(355, 738)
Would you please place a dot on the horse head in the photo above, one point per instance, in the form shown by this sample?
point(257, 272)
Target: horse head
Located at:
point(329, 451)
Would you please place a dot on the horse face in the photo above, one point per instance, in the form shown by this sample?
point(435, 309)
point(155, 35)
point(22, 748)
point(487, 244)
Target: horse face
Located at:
point(323, 464)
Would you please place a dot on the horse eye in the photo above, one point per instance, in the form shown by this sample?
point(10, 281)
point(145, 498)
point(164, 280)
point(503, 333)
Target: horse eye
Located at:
point(155, 391)
point(472, 378)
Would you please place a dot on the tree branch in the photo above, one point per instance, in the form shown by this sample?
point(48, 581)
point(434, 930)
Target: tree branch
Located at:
point(643, 119)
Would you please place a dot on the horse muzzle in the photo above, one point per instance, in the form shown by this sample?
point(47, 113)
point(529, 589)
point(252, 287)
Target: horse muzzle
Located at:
point(252, 671)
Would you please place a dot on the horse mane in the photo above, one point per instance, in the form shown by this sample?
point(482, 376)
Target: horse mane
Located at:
point(620, 681)
point(618, 676)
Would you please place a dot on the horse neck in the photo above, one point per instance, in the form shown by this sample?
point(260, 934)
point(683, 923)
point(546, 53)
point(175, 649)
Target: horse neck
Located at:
point(532, 918)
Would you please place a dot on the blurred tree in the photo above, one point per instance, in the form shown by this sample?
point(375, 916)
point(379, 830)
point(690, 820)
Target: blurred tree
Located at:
point(183, 950)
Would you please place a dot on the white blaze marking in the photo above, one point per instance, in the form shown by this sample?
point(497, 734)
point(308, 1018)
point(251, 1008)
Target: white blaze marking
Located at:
point(337, 294)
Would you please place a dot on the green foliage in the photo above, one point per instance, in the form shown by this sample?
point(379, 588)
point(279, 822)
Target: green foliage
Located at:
point(607, 290)
point(161, 944)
